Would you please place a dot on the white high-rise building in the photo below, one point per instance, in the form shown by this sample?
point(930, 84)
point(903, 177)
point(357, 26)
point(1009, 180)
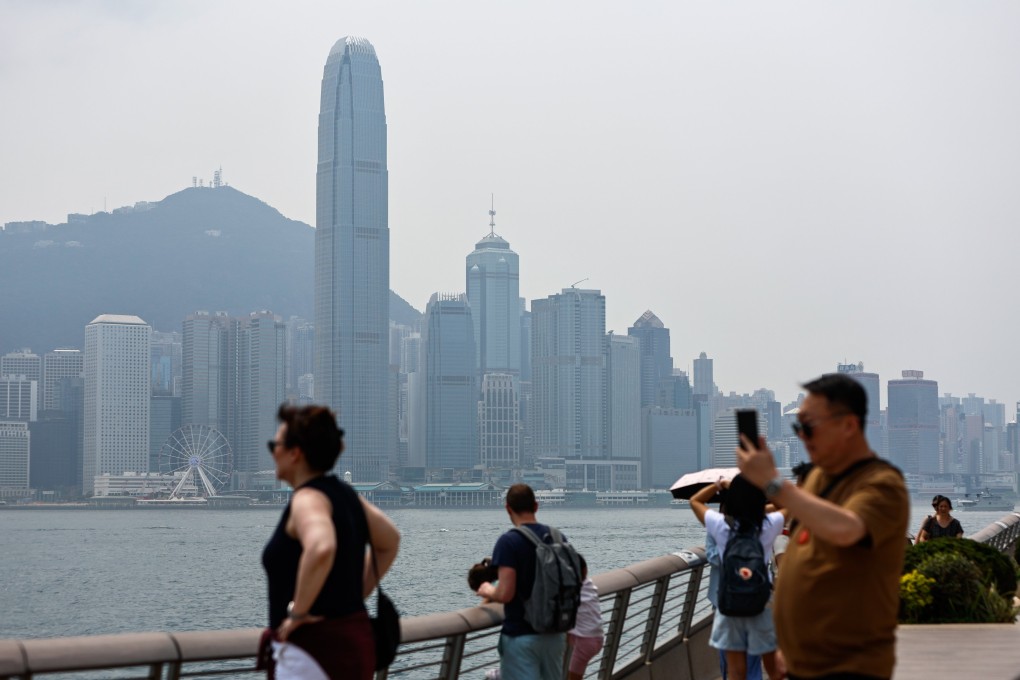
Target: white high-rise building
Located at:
point(58, 365)
point(117, 391)
point(15, 448)
point(19, 398)
point(623, 396)
point(23, 362)
point(499, 422)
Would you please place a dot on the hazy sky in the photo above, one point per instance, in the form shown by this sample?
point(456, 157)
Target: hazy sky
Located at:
point(786, 185)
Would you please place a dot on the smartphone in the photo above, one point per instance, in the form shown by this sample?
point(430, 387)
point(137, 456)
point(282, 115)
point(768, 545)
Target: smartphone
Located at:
point(747, 425)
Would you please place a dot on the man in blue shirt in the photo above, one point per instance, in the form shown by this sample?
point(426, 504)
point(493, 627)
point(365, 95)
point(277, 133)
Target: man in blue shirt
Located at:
point(523, 653)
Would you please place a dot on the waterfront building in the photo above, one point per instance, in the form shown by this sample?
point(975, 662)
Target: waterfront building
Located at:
point(725, 438)
point(568, 375)
point(449, 396)
point(669, 445)
point(164, 420)
point(117, 389)
point(261, 382)
point(55, 453)
point(493, 291)
point(23, 362)
point(913, 422)
point(19, 398)
point(499, 423)
point(15, 448)
point(656, 362)
point(58, 365)
point(624, 383)
point(352, 250)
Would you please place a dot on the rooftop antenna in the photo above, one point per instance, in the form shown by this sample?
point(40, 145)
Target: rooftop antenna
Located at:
point(492, 215)
point(574, 284)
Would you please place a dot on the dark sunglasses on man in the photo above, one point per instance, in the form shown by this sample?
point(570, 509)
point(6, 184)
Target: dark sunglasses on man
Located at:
point(807, 430)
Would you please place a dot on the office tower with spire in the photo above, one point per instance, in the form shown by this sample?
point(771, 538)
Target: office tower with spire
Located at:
point(117, 391)
point(493, 289)
point(352, 257)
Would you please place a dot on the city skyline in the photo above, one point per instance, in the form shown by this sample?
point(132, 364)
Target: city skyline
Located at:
point(759, 179)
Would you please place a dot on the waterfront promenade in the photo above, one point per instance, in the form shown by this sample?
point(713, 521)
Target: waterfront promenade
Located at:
point(657, 625)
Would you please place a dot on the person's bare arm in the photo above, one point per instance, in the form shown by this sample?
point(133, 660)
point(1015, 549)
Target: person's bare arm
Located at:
point(385, 538)
point(699, 501)
point(311, 523)
point(504, 590)
point(827, 521)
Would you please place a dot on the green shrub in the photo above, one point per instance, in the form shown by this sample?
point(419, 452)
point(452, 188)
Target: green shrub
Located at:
point(915, 596)
point(947, 587)
point(995, 568)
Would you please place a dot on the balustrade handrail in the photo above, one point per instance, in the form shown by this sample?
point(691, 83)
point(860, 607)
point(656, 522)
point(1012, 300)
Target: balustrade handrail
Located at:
point(655, 608)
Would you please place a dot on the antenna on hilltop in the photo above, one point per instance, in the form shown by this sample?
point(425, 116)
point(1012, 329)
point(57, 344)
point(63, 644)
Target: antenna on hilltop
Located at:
point(574, 284)
point(492, 215)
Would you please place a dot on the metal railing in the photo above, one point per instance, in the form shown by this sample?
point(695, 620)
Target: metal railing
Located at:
point(650, 610)
point(654, 613)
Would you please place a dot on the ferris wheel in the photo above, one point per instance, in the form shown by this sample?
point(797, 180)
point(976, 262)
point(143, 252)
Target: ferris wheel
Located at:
point(201, 456)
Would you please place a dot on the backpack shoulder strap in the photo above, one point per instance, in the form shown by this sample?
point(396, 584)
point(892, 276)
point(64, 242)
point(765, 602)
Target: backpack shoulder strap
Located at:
point(529, 534)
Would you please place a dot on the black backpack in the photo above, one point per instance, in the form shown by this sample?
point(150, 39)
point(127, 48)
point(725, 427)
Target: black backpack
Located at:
point(556, 594)
point(744, 588)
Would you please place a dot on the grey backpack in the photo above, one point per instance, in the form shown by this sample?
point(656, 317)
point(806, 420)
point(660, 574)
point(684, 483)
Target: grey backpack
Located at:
point(556, 595)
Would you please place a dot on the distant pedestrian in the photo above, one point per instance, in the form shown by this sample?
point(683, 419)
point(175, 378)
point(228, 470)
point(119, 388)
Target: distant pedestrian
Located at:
point(942, 524)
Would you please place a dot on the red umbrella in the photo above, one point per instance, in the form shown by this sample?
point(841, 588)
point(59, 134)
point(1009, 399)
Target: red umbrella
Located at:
point(692, 482)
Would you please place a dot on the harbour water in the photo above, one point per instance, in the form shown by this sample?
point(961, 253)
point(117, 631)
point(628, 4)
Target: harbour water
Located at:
point(90, 572)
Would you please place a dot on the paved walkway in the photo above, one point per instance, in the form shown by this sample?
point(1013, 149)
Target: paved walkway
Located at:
point(964, 651)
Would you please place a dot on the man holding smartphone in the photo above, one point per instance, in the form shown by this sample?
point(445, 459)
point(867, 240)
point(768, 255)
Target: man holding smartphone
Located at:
point(837, 601)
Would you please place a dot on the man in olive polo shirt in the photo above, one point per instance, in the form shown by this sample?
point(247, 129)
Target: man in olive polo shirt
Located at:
point(837, 594)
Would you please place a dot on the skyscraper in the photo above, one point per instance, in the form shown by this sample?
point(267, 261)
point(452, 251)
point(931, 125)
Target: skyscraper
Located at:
point(704, 382)
point(117, 391)
point(447, 382)
point(493, 289)
point(22, 363)
point(568, 374)
point(624, 380)
point(914, 423)
point(58, 365)
point(870, 383)
point(656, 362)
point(352, 256)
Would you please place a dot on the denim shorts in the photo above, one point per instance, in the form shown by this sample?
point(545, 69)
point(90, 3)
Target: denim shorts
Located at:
point(751, 634)
point(532, 657)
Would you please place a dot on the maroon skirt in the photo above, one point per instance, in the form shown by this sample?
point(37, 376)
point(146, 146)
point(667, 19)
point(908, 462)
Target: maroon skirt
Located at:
point(343, 647)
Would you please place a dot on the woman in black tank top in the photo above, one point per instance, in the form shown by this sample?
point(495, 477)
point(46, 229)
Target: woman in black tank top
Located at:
point(316, 561)
point(942, 524)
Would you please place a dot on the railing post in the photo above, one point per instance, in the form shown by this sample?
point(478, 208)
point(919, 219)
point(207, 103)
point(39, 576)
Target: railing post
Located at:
point(693, 586)
point(654, 617)
point(612, 643)
point(453, 654)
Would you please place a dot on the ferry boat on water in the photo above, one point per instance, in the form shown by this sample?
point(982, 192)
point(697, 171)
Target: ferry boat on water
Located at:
point(985, 500)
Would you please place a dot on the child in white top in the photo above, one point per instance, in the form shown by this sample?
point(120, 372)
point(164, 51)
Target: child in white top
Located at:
point(586, 637)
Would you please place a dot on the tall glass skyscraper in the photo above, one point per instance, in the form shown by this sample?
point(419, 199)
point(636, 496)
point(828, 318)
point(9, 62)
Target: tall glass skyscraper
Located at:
point(493, 289)
point(352, 257)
